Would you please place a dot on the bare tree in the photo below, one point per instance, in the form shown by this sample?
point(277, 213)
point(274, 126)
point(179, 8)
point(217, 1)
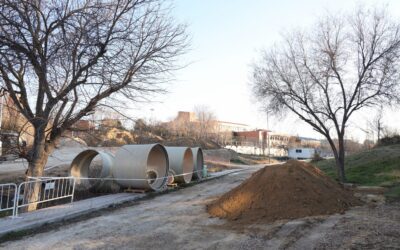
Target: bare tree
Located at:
point(377, 123)
point(325, 75)
point(61, 59)
point(207, 121)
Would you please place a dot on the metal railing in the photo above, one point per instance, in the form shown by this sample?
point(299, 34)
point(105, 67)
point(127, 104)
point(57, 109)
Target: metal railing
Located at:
point(8, 197)
point(44, 190)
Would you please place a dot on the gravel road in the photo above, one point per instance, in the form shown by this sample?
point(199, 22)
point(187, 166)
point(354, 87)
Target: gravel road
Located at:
point(178, 220)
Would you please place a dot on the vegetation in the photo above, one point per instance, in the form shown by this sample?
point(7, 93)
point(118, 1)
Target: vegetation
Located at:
point(389, 140)
point(316, 158)
point(379, 166)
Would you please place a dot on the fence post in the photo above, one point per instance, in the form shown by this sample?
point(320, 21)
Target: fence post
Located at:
point(73, 189)
point(15, 200)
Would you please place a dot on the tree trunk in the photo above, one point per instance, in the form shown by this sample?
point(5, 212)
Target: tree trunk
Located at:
point(379, 131)
point(340, 161)
point(37, 162)
point(339, 155)
point(33, 189)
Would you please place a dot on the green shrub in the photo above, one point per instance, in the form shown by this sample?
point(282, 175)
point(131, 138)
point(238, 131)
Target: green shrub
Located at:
point(316, 157)
point(389, 140)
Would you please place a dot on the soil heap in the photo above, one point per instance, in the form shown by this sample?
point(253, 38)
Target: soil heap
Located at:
point(292, 190)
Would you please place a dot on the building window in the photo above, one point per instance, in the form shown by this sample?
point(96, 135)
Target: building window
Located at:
point(298, 150)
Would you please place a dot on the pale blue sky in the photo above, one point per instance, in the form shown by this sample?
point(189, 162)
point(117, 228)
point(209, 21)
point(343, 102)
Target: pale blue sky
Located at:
point(226, 38)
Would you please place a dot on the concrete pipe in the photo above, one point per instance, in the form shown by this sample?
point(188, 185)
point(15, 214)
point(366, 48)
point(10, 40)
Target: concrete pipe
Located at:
point(198, 162)
point(145, 165)
point(81, 167)
point(181, 162)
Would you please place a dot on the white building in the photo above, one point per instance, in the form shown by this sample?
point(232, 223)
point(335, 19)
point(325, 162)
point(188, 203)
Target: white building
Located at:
point(232, 126)
point(301, 153)
point(274, 152)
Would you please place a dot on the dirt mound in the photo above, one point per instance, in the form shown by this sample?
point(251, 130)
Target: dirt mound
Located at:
point(292, 190)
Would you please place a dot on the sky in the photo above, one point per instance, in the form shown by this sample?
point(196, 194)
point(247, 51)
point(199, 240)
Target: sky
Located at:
point(226, 38)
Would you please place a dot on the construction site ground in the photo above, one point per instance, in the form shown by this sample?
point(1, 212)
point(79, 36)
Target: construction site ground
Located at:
point(178, 220)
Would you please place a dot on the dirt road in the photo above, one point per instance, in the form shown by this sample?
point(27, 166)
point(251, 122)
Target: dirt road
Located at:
point(178, 220)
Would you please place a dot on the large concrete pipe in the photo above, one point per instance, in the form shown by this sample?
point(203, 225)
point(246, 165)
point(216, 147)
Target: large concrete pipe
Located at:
point(198, 162)
point(142, 166)
point(82, 167)
point(181, 163)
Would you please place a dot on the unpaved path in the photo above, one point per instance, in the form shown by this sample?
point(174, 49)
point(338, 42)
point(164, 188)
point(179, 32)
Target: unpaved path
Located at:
point(178, 220)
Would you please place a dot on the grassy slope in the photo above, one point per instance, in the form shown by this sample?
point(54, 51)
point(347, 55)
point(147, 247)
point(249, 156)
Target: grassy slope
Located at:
point(376, 167)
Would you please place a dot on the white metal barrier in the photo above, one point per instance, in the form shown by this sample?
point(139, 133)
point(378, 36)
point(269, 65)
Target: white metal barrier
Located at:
point(8, 197)
point(48, 189)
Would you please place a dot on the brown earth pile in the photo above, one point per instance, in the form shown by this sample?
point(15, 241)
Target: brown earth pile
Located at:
point(292, 190)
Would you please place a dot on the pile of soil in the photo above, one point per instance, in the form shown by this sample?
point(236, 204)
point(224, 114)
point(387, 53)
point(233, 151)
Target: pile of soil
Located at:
point(289, 191)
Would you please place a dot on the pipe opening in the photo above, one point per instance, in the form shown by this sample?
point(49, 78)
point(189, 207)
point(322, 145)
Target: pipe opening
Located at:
point(141, 166)
point(187, 165)
point(94, 169)
point(90, 164)
point(151, 176)
point(199, 163)
point(157, 165)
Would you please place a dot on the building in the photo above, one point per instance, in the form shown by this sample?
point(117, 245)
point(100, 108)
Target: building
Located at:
point(276, 144)
point(232, 126)
point(260, 142)
point(188, 123)
point(14, 127)
point(309, 142)
point(278, 140)
point(301, 153)
point(251, 138)
point(184, 116)
point(221, 126)
point(249, 142)
point(242, 139)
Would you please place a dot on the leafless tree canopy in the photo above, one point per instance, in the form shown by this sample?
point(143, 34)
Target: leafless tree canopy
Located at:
point(207, 121)
point(60, 59)
point(324, 75)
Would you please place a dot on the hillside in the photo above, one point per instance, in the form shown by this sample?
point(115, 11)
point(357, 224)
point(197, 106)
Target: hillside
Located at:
point(379, 166)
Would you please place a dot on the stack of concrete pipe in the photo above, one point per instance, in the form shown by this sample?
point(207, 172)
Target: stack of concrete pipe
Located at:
point(148, 166)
